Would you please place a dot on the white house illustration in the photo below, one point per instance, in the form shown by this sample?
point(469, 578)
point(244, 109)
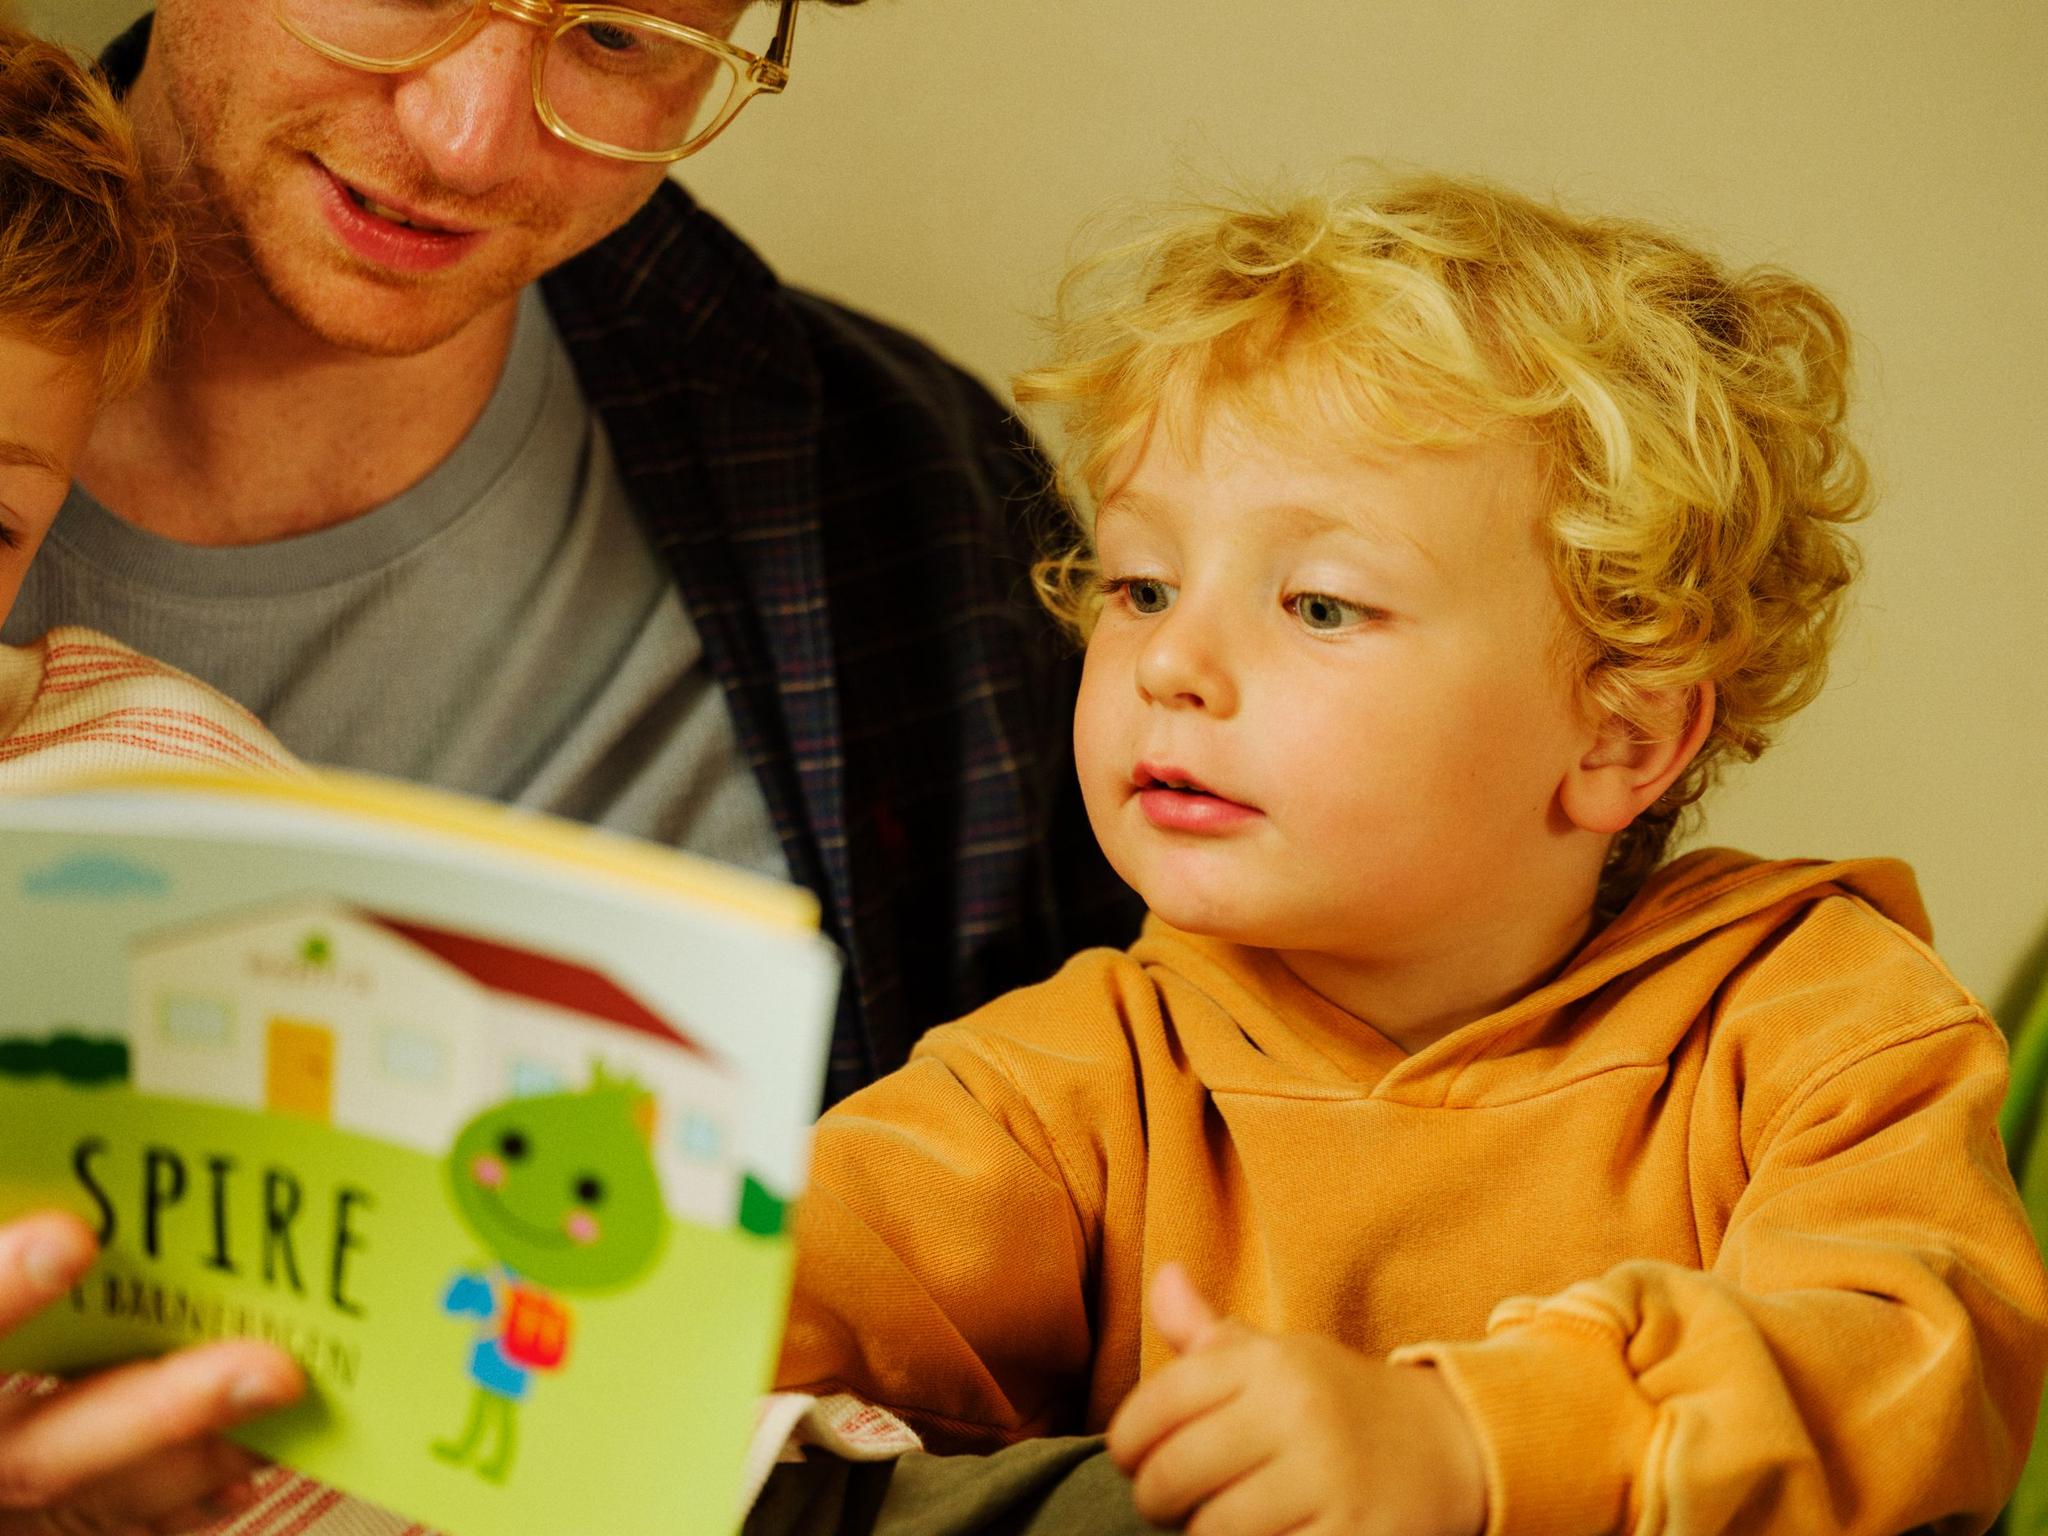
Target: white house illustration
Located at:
point(403, 1031)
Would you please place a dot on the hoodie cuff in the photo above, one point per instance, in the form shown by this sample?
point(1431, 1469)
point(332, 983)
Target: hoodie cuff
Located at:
point(1561, 1423)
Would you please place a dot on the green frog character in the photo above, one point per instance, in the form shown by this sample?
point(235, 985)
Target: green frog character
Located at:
point(561, 1190)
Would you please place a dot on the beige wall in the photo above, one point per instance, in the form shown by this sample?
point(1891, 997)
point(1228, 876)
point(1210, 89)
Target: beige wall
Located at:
point(85, 22)
point(933, 160)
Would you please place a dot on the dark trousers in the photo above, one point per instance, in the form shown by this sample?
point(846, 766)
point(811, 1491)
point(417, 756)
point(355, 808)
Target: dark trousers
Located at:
point(1064, 1487)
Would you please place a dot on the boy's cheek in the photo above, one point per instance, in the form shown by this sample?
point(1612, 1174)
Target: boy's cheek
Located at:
point(24, 538)
point(14, 561)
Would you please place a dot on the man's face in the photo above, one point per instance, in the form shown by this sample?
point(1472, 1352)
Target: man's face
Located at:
point(311, 172)
point(48, 401)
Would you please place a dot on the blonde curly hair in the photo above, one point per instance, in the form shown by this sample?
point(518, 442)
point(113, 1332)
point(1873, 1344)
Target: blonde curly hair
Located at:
point(1689, 418)
point(88, 256)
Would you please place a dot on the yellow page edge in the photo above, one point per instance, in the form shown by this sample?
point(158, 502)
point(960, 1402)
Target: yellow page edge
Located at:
point(533, 832)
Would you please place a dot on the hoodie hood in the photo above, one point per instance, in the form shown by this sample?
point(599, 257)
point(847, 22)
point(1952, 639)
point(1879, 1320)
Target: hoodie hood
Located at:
point(1626, 999)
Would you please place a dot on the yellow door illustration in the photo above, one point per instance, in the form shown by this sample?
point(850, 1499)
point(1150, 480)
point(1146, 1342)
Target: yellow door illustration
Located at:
point(299, 1068)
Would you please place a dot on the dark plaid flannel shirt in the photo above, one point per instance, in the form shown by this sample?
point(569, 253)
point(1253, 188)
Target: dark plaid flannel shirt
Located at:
point(850, 520)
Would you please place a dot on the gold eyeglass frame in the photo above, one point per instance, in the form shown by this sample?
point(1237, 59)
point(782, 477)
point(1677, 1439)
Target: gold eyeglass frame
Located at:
point(753, 74)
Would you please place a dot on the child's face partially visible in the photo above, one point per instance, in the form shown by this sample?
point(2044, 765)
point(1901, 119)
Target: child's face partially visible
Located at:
point(1354, 664)
point(48, 401)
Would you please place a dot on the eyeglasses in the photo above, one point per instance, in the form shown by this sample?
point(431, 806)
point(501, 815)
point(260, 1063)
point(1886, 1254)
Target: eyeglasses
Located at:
point(616, 82)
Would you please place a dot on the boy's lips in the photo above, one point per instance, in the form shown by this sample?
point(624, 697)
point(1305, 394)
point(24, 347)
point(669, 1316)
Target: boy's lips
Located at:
point(1174, 800)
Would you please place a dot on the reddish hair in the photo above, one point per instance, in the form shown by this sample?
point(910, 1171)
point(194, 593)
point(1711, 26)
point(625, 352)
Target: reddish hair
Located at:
point(87, 255)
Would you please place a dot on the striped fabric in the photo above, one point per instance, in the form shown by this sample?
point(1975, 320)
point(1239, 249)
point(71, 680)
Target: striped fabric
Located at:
point(77, 703)
point(291, 1505)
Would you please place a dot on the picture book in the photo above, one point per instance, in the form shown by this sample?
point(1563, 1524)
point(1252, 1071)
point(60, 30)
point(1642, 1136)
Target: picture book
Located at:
point(491, 1121)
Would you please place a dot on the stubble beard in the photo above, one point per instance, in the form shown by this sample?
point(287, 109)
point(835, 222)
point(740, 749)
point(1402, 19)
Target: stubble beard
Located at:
point(281, 253)
point(261, 261)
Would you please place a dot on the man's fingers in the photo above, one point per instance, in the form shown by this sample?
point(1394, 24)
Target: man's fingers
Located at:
point(41, 1257)
point(223, 1504)
point(88, 1431)
point(1196, 1462)
point(1180, 1312)
point(1190, 1387)
point(184, 1488)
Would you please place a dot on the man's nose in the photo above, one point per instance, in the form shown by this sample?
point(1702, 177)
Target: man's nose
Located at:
point(1185, 660)
point(470, 115)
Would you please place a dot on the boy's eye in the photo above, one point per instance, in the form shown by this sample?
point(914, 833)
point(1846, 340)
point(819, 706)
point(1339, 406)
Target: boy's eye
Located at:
point(1320, 611)
point(1143, 594)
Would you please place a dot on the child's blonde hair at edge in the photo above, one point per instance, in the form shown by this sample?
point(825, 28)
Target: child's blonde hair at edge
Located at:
point(88, 257)
point(1689, 420)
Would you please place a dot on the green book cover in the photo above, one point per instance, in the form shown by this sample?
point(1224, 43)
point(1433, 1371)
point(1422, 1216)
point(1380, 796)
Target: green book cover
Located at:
point(492, 1122)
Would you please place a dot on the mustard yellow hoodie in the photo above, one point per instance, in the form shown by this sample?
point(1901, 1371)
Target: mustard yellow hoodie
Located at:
point(1712, 1232)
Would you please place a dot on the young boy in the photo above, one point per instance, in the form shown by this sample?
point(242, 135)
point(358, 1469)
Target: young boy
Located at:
point(86, 264)
point(1437, 550)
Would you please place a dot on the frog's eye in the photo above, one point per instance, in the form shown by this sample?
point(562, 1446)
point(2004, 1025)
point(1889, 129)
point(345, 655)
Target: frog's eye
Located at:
point(589, 1191)
point(514, 1145)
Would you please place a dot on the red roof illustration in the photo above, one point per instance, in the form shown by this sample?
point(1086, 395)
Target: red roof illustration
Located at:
point(541, 978)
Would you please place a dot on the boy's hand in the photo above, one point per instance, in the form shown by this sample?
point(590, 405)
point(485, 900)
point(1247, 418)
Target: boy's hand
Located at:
point(134, 1449)
point(1250, 1433)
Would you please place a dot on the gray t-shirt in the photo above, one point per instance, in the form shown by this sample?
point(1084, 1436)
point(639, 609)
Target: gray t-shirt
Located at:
point(504, 628)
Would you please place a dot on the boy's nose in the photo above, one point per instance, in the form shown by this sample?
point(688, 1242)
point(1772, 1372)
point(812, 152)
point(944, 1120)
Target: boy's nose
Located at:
point(470, 115)
point(1183, 663)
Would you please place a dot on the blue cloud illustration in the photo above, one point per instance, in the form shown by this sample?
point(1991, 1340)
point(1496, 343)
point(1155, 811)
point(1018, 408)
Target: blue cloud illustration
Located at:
point(94, 877)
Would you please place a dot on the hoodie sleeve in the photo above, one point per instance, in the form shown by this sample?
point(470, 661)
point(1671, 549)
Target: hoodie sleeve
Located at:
point(943, 1254)
point(1863, 1353)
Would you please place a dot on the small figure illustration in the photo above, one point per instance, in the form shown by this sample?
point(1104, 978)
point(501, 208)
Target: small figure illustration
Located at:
point(561, 1189)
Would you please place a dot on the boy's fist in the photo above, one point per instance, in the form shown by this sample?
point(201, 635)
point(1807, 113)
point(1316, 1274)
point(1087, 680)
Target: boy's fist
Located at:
point(1255, 1434)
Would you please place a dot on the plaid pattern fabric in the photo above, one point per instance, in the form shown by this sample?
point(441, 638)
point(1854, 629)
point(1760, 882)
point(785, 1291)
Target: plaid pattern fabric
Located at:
point(851, 524)
point(93, 705)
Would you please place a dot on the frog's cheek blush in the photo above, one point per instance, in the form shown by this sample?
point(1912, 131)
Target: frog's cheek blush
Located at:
point(582, 1228)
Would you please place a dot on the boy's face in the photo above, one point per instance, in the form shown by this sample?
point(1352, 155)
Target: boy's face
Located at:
point(1355, 665)
point(47, 404)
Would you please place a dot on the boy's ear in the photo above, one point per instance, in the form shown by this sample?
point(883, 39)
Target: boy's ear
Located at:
point(1625, 769)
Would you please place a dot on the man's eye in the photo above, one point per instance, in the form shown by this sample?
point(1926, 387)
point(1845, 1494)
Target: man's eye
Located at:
point(1143, 594)
point(1320, 611)
point(611, 39)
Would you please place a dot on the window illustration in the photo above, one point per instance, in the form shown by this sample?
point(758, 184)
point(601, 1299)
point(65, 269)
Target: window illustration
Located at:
point(199, 1022)
point(412, 1056)
point(700, 1136)
point(531, 1078)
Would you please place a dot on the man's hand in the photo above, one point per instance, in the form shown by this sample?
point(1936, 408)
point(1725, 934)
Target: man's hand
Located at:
point(1251, 1434)
point(133, 1450)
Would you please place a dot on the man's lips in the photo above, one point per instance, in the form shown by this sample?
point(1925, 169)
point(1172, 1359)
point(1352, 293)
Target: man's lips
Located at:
point(402, 214)
point(393, 236)
point(1174, 800)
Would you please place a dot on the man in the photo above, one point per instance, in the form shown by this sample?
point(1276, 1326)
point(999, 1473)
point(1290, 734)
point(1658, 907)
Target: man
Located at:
point(485, 458)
